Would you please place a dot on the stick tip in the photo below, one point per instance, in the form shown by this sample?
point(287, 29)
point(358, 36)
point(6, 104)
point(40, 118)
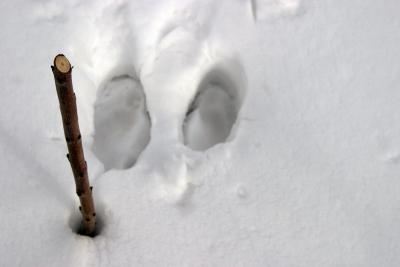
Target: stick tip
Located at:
point(62, 63)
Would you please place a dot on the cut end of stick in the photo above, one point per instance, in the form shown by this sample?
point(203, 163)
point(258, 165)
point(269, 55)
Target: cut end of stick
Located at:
point(62, 63)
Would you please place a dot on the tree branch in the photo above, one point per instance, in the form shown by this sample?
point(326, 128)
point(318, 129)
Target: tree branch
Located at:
point(62, 75)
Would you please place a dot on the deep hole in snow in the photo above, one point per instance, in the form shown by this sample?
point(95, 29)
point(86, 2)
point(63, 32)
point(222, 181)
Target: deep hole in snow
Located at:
point(75, 223)
point(121, 122)
point(213, 112)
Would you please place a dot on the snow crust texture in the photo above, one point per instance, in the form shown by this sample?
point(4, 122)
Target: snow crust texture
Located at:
point(216, 133)
point(273, 9)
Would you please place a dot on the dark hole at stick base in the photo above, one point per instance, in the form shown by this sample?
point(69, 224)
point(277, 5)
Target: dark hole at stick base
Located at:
point(75, 223)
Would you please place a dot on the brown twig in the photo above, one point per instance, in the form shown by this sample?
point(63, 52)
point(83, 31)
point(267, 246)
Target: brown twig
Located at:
point(62, 75)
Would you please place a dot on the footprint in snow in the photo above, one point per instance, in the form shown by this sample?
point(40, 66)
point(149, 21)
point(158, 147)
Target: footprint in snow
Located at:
point(214, 110)
point(121, 122)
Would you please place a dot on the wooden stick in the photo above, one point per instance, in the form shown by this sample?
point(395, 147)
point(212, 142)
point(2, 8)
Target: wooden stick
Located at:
point(62, 75)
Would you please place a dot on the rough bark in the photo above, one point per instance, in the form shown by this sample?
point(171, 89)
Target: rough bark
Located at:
point(62, 71)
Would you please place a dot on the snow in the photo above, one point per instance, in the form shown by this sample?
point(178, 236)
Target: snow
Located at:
point(214, 109)
point(121, 123)
point(297, 165)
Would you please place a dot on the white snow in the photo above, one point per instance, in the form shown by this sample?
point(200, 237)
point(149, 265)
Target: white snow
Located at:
point(214, 109)
point(121, 123)
point(217, 133)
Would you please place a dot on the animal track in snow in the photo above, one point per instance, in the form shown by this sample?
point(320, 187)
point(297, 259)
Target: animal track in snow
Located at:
point(214, 110)
point(121, 123)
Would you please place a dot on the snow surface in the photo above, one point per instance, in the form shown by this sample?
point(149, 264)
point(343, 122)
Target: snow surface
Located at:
point(298, 166)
